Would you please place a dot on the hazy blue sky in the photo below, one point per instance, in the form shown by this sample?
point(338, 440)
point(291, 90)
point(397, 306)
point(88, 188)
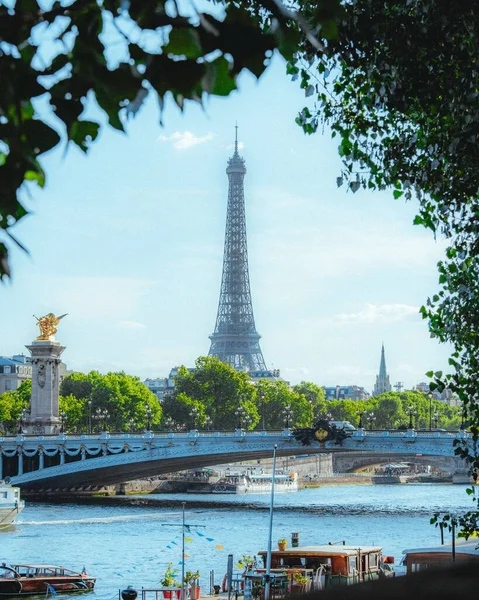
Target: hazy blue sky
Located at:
point(129, 239)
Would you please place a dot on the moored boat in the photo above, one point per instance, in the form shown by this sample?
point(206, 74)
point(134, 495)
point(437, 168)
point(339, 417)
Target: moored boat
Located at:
point(306, 568)
point(420, 559)
point(10, 503)
point(253, 482)
point(20, 580)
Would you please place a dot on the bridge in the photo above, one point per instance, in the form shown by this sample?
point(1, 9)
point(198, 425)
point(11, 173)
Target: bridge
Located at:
point(83, 461)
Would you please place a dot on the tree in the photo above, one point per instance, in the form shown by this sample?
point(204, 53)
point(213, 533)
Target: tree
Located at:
point(125, 399)
point(219, 389)
point(12, 404)
point(397, 88)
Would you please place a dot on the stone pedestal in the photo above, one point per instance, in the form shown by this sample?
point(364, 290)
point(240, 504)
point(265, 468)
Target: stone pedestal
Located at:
point(44, 412)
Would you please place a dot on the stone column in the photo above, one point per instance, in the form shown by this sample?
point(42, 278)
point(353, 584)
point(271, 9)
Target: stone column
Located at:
point(44, 411)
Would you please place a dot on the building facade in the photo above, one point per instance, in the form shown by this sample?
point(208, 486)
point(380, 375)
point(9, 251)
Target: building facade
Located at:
point(14, 371)
point(346, 392)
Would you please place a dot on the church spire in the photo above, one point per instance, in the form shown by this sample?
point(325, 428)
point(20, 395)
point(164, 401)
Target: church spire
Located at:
point(382, 380)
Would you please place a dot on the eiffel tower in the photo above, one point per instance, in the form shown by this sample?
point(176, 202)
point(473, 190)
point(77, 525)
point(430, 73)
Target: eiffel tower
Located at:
point(235, 340)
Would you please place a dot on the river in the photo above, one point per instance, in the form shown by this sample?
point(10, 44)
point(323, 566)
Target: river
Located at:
point(127, 544)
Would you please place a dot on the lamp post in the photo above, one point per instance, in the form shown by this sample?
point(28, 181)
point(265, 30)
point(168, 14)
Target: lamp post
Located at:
point(411, 411)
point(240, 414)
point(169, 424)
point(435, 418)
point(89, 414)
point(194, 413)
point(63, 418)
point(208, 422)
point(370, 418)
point(287, 413)
point(360, 414)
point(101, 416)
point(22, 418)
point(148, 416)
point(262, 411)
point(247, 420)
point(430, 410)
point(131, 425)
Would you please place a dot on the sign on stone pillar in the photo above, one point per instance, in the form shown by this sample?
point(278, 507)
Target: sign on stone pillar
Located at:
point(46, 352)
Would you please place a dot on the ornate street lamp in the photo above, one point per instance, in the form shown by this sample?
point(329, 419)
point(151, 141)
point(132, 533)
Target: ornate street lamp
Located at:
point(63, 418)
point(360, 414)
point(240, 414)
point(208, 422)
point(148, 416)
point(131, 425)
point(89, 414)
point(262, 411)
point(435, 418)
point(22, 416)
point(412, 412)
point(247, 420)
point(101, 416)
point(287, 413)
point(194, 414)
point(429, 396)
point(370, 418)
point(169, 424)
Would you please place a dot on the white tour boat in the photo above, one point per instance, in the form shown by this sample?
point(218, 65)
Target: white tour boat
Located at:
point(255, 482)
point(10, 503)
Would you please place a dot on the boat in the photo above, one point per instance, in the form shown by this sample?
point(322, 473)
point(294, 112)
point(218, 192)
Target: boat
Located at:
point(20, 580)
point(254, 482)
point(420, 559)
point(307, 568)
point(10, 503)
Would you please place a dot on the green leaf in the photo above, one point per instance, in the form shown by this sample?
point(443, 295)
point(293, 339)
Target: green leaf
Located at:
point(218, 79)
point(397, 194)
point(184, 42)
point(82, 133)
point(37, 176)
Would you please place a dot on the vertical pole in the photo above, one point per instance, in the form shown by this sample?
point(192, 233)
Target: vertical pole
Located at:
point(430, 412)
point(441, 527)
point(183, 555)
point(453, 529)
point(267, 578)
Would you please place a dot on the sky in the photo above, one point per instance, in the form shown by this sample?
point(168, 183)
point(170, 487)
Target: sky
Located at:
point(128, 241)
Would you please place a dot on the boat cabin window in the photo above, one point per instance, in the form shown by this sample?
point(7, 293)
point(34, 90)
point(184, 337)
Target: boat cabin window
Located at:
point(3, 495)
point(353, 564)
point(374, 560)
point(364, 563)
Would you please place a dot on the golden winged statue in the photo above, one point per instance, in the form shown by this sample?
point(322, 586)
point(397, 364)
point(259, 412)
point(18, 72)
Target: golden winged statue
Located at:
point(48, 326)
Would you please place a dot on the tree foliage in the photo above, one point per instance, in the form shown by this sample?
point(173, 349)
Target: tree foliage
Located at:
point(12, 403)
point(399, 88)
point(124, 397)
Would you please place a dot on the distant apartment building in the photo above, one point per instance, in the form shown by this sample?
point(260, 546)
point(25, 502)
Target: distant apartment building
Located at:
point(382, 384)
point(346, 392)
point(445, 396)
point(14, 371)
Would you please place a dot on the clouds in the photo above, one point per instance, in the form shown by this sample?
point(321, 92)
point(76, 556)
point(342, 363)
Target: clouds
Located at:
point(373, 313)
point(186, 140)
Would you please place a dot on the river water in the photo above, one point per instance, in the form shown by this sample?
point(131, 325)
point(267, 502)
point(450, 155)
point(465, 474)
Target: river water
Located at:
point(131, 545)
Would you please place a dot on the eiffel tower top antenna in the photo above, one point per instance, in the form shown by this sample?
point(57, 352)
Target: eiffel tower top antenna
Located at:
point(236, 138)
